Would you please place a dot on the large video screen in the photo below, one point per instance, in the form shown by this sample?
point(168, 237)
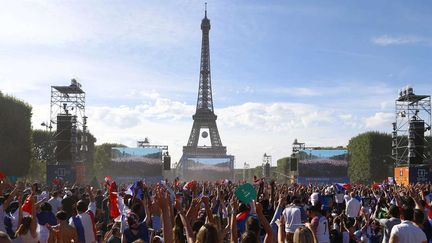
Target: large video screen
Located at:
point(206, 168)
point(323, 162)
point(136, 161)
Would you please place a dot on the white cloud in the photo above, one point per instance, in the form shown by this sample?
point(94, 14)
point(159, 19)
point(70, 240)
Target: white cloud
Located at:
point(386, 40)
point(380, 120)
point(248, 130)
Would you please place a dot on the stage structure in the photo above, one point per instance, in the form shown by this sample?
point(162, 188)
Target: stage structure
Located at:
point(204, 156)
point(411, 128)
point(67, 114)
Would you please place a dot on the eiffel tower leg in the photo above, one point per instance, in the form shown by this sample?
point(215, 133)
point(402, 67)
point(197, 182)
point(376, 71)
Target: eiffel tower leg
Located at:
point(214, 135)
point(194, 135)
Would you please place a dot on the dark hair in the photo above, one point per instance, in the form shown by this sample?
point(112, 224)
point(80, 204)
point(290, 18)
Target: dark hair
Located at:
point(61, 215)
point(24, 227)
point(208, 234)
point(419, 217)
point(408, 213)
point(178, 230)
point(394, 211)
point(253, 225)
point(46, 207)
point(82, 206)
point(249, 237)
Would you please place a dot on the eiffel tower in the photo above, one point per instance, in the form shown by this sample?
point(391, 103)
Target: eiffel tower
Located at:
point(204, 124)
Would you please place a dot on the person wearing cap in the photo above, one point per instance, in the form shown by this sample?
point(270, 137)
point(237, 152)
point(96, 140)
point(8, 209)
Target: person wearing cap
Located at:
point(319, 224)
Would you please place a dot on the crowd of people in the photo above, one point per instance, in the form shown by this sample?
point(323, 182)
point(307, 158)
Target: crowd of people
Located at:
point(211, 212)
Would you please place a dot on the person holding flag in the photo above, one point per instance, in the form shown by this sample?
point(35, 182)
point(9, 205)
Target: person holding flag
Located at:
point(84, 222)
point(26, 232)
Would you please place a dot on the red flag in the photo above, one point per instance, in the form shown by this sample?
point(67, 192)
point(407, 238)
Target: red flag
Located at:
point(191, 185)
point(376, 186)
point(114, 210)
point(2, 175)
point(56, 181)
point(27, 207)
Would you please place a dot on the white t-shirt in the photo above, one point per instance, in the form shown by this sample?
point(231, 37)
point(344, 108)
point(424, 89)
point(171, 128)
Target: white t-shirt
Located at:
point(322, 230)
point(292, 216)
point(339, 198)
point(55, 204)
point(407, 232)
point(314, 198)
point(347, 197)
point(353, 208)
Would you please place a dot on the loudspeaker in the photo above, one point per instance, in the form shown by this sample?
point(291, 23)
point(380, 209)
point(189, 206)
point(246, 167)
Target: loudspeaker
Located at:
point(63, 138)
point(416, 142)
point(167, 162)
point(267, 170)
point(293, 164)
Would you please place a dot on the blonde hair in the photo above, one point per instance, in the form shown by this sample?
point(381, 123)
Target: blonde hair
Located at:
point(303, 235)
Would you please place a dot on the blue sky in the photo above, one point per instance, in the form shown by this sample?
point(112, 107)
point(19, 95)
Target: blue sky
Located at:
point(319, 71)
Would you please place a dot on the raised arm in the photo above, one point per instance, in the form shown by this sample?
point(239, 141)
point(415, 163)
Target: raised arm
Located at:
point(33, 224)
point(281, 229)
point(162, 200)
point(189, 233)
point(278, 211)
point(209, 213)
point(234, 206)
point(9, 199)
point(262, 219)
point(147, 218)
point(192, 213)
point(92, 204)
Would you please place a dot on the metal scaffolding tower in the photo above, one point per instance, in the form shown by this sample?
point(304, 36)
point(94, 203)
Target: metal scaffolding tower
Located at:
point(411, 128)
point(69, 102)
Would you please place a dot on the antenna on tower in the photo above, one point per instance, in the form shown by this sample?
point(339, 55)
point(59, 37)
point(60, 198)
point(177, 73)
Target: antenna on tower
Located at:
point(205, 10)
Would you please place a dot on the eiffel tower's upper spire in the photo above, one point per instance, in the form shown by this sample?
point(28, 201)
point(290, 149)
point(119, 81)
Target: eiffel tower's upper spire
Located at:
point(205, 98)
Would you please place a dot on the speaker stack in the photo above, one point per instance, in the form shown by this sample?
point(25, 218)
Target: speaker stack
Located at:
point(63, 138)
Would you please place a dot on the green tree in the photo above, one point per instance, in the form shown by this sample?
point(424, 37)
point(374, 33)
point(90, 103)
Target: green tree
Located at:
point(15, 136)
point(42, 152)
point(369, 157)
point(43, 145)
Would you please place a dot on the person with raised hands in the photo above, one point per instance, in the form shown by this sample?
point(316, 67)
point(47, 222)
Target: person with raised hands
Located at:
point(264, 222)
point(5, 201)
point(233, 222)
point(26, 232)
point(163, 201)
point(185, 223)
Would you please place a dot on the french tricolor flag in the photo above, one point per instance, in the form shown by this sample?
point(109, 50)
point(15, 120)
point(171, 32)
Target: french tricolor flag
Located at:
point(342, 186)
